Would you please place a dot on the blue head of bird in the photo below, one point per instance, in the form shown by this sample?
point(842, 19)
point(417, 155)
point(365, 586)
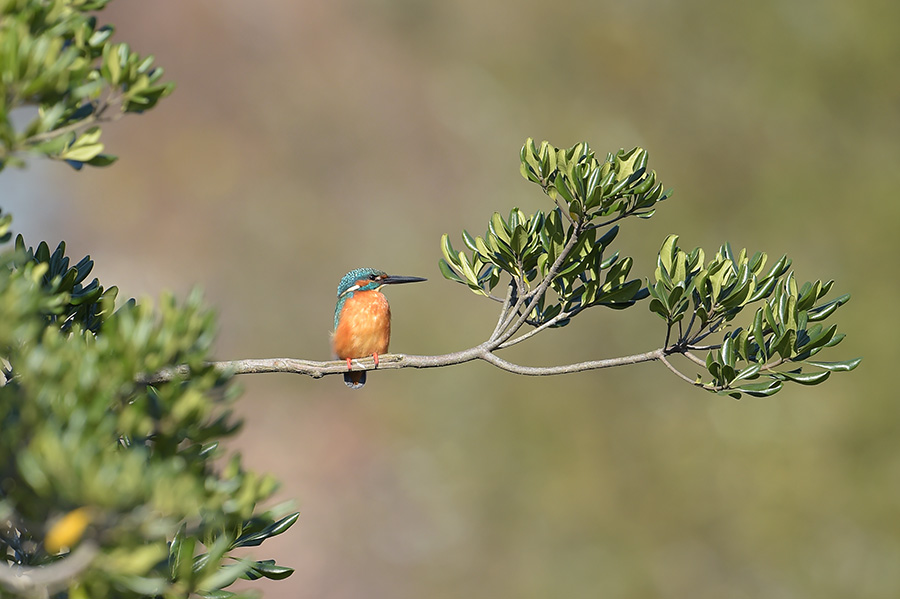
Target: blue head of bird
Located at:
point(364, 279)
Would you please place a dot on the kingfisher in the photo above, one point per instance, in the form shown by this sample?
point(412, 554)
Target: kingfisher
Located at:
point(362, 319)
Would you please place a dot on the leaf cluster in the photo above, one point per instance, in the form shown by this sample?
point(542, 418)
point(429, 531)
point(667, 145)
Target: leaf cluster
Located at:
point(617, 187)
point(564, 250)
point(560, 262)
point(701, 298)
point(55, 58)
point(90, 455)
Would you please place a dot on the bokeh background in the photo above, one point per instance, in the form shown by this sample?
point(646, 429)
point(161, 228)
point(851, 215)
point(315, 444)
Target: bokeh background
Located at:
point(309, 137)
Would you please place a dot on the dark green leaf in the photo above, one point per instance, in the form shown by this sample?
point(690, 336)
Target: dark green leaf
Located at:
point(843, 366)
point(268, 569)
point(762, 389)
point(806, 378)
point(448, 272)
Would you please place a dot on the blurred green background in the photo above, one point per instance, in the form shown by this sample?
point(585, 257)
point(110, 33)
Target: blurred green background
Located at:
point(307, 138)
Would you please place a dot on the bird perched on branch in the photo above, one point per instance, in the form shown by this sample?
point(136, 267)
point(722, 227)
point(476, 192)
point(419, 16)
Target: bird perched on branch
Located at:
point(362, 319)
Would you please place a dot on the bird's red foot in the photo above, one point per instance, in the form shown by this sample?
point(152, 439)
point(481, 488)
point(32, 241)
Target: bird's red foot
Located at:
point(349, 364)
point(375, 357)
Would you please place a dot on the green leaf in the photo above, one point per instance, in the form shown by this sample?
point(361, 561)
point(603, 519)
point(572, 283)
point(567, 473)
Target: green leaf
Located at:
point(818, 337)
point(255, 539)
point(824, 311)
point(519, 239)
point(667, 253)
point(645, 184)
point(268, 569)
point(448, 251)
point(784, 344)
point(727, 351)
point(181, 556)
point(483, 250)
point(499, 228)
point(102, 160)
point(658, 307)
point(779, 268)
point(762, 389)
point(806, 378)
point(844, 366)
point(763, 290)
point(82, 153)
point(448, 272)
point(750, 372)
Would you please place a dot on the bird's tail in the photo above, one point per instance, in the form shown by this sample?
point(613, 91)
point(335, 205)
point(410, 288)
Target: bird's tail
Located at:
point(356, 379)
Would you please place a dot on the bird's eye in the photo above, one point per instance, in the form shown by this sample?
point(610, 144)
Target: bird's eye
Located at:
point(373, 277)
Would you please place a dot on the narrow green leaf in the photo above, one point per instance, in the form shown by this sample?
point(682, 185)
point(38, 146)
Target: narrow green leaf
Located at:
point(763, 290)
point(667, 253)
point(762, 389)
point(750, 372)
point(822, 312)
point(843, 366)
point(469, 241)
point(758, 335)
point(448, 251)
point(268, 569)
point(518, 239)
point(499, 228)
point(658, 307)
point(727, 351)
point(806, 378)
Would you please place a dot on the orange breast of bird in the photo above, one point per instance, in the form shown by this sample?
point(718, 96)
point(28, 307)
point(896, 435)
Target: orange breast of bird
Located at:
point(364, 326)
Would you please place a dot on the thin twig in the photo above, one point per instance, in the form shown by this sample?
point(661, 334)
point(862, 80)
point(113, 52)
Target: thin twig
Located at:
point(511, 313)
point(491, 358)
point(95, 117)
point(712, 329)
point(564, 211)
point(690, 326)
point(703, 347)
point(678, 373)
point(515, 325)
point(694, 359)
point(609, 222)
point(503, 311)
point(538, 328)
point(773, 364)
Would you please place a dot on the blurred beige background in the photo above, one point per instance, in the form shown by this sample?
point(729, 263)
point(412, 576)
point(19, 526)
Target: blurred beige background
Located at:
point(307, 138)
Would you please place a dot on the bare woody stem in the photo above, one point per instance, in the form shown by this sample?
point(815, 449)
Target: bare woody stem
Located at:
point(398, 361)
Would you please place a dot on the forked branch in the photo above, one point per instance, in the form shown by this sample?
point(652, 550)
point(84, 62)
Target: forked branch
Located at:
point(396, 361)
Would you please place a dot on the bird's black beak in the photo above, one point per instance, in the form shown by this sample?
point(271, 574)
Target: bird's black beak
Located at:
point(392, 279)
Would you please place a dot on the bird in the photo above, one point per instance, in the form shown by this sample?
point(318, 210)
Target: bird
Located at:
point(362, 319)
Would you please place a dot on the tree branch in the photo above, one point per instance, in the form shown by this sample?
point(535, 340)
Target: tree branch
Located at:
point(397, 361)
point(490, 358)
point(538, 328)
point(680, 374)
point(695, 359)
point(95, 117)
point(504, 310)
